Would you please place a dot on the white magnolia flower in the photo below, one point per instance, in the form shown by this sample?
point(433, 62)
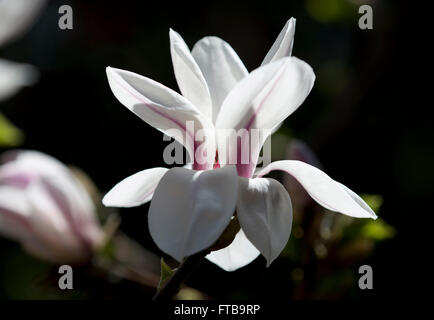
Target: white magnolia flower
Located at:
point(16, 16)
point(45, 208)
point(191, 208)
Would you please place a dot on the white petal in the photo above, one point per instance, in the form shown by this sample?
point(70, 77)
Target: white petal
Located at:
point(221, 67)
point(59, 222)
point(190, 209)
point(237, 255)
point(134, 190)
point(162, 108)
point(14, 213)
point(16, 16)
point(189, 76)
point(359, 200)
point(42, 175)
point(44, 233)
point(261, 101)
point(32, 159)
point(282, 47)
point(298, 150)
point(327, 192)
point(264, 211)
point(16, 222)
point(188, 166)
point(52, 216)
point(14, 76)
point(21, 167)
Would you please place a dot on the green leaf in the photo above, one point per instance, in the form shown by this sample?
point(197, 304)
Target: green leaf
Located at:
point(166, 273)
point(108, 250)
point(378, 230)
point(326, 11)
point(10, 136)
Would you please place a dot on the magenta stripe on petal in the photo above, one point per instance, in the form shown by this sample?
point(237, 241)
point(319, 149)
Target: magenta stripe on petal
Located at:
point(20, 180)
point(247, 170)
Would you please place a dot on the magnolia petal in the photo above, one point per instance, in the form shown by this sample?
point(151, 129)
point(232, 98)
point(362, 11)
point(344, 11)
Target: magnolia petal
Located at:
point(190, 209)
point(21, 167)
point(135, 190)
point(298, 150)
point(59, 224)
point(189, 76)
point(237, 255)
point(264, 211)
point(188, 166)
point(359, 200)
point(261, 101)
point(59, 203)
point(14, 213)
point(14, 76)
point(160, 107)
point(282, 47)
point(276, 128)
point(47, 208)
point(31, 160)
point(329, 193)
point(221, 67)
point(16, 16)
point(31, 218)
point(44, 252)
point(15, 222)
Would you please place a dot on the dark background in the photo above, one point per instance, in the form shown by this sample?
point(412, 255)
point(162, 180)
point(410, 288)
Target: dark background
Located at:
point(365, 117)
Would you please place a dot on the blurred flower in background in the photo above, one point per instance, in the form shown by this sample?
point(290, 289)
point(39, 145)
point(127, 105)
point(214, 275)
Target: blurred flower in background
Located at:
point(53, 211)
point(16, 17)
point(14, 76)
point(46, 209)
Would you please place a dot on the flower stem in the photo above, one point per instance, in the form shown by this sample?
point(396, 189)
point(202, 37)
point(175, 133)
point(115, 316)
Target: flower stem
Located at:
point(172, 285)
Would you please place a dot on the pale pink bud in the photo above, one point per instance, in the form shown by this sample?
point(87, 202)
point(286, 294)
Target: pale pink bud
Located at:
point(45, 208)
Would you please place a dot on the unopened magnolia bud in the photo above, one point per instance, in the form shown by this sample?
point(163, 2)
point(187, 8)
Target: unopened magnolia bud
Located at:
point(45, 208)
